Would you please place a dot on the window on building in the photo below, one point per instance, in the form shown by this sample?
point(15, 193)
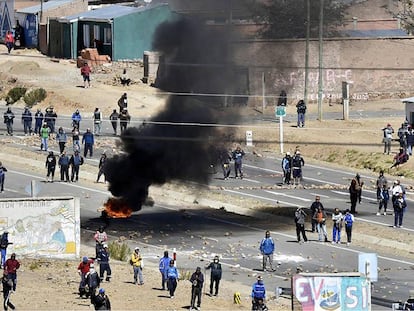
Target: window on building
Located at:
point(107, 36)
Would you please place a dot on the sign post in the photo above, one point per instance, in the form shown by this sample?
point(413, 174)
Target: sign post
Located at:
point(280, 112)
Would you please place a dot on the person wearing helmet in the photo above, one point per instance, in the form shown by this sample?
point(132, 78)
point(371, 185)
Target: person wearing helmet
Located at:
point(101, 301)
point(215, 276)
point(137, 263)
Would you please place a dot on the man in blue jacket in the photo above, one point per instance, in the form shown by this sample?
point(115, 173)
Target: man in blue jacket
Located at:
point(163, 267)
point(267, 247)
point(88, 140)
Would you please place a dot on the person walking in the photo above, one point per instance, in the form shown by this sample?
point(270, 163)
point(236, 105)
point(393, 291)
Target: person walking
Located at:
point(50, 166)
point(138, 265)
point(38, 121)
point(83, 269)
point(7, 291)
point(86, 75)
point(93, 281)
point(336, 226)
point(387, 138)
point(300, 216)
point(100, 238)
point(215, 275)
point(353, 195)
point(103, 259)
point(10, 267)
point(97, 121)
point(163, 267)
point(50, 118)
point(4, 243)
point(267, 247)
point(101, 301)
point(101, 167)
point(75, 139)
point(3, 171)
point(237, 156)
point(383, 200)
point(258, 293)
point(44, 137)
point(88, 141)
point(320, 218)
point(301, 110)
point(61, 138)
point(8, 120)
point(314, 208)
point(124, 119)
point(172, 278)
point(76, 119)
point(348, 221)
point(114, 120)
point(27, 121)
point(359, 185)
point(9, 41)
point(123, 102)
point(64, 167)
point(381, 181)
point(399, 205)
point(197, 281)
point(287, 168)
point(76, 160)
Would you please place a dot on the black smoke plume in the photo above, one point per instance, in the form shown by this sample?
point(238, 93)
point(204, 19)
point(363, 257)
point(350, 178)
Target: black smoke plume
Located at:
point(179, 143)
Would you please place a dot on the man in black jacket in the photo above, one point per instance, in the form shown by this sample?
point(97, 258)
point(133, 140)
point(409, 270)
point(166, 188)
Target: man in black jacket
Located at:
point(101, 301)
point(197, 281)
point(215, 275)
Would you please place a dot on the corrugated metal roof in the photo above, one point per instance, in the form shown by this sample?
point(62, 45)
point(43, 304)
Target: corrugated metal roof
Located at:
point(46, 6)
point(376, 33)
point(106, 13)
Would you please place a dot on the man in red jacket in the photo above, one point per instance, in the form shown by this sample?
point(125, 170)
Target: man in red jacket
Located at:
point(9, 40)
point(10, 268)
point(83, 270)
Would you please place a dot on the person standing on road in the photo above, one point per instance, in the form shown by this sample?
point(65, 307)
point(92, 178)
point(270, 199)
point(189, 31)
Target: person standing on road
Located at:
point(86, 75)
point(88, 141)
point(287, 168)
point(27, 121)
point(10, 267)
point(258, 293)
point(76, 119)
point(383, 200)
point(172, 278)
point(387, 138)
point(61, 138)
point(320, 218)
point(138, 265)
point(8, 120)
point(50, 119)
point(348, 221)
point(215, 276)
point(76, 160)
point(301, 110)
point(300, 216)
point(353, 194)
point(336, 226)
point(359, 186)
point(399, 205)
point(38, 121)
point(103, 259)
point(50, 166)
point(381, 181)
point(64, 167)
point(297, 163)
point(163, 267)
point(75, 139)
point(124, 119)
point(225, 158)
point(44, 137)
point(3, 171)
point(237, 156)
point(267, 247)
point(314, 208)
point(114, 120)
point(197, 281)
point(97, 121)
point(101, 167)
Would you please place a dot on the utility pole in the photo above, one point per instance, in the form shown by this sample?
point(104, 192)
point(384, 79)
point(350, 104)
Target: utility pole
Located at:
point(320, 76)
point(305, 94)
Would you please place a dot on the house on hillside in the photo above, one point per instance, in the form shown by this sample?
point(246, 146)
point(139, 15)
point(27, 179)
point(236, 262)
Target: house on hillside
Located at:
point(34, 19)
point(122, 32)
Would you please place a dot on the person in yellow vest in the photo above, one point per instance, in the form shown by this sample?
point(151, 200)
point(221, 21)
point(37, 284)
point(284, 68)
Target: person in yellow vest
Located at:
point(137, 263)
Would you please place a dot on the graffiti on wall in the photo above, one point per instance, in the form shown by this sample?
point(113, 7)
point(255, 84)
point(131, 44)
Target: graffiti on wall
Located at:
point(42, 227)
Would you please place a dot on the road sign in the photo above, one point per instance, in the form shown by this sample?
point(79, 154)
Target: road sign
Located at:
point(280, 111)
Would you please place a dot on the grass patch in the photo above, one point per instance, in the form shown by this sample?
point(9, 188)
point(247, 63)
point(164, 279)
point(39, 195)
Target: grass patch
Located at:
point(119, 251)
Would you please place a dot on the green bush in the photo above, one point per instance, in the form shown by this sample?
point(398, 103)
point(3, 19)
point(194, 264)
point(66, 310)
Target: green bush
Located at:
point(15, 94)
point(34, 97)
point(119, 251)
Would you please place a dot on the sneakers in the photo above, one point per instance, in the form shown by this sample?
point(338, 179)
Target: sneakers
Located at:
point(385, 213)
point(172, 296)
point(378, 214)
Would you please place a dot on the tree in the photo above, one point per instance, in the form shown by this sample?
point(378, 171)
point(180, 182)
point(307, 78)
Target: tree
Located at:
point(281, 19)
point(404, 10)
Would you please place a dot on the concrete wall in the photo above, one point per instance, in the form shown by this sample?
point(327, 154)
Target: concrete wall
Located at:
point(66, 9)
point(373, 67)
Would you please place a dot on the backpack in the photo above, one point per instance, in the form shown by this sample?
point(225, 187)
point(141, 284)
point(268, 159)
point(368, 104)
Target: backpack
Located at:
point(348, 220)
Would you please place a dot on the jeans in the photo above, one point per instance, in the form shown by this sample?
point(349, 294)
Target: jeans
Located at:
point(97, 128)
point(43, 143)
point(138, 275)
point(336, 233)
point(321, 228)
point(398, 216)
point(270, 258)
point(301, 119)
point(172, 285)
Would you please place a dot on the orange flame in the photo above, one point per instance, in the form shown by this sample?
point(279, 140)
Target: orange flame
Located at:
point(117, 208)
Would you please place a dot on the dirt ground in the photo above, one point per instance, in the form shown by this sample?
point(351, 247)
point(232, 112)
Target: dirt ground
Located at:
point(51, 285)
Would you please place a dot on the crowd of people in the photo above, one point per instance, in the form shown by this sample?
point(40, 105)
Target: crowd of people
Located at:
point(405, 139)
